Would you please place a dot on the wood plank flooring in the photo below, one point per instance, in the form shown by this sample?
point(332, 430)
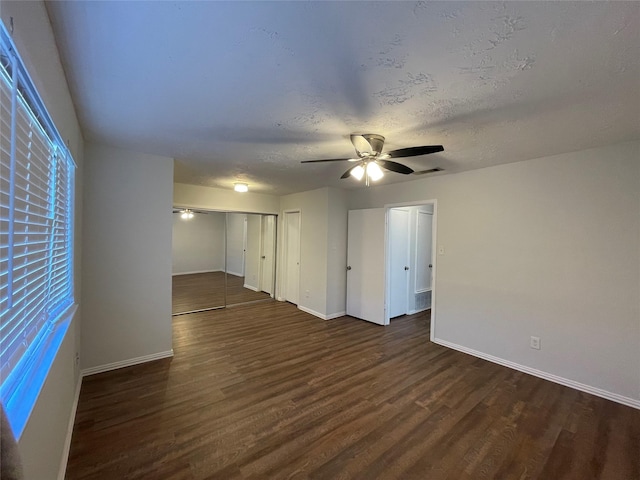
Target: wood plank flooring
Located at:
point(268, 392)
point(197, 291)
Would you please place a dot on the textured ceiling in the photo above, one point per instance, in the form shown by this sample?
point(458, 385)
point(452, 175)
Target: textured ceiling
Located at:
point(246, 90)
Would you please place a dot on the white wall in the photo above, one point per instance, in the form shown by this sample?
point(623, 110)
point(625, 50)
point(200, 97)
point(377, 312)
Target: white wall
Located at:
point(210, 198)
point(337, 255)
point(198, 243)
point(43, 443)
point(127, 256)
point(547, 247)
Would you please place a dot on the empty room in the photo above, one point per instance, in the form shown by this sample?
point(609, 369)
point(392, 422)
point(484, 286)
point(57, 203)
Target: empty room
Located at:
point(322, 239)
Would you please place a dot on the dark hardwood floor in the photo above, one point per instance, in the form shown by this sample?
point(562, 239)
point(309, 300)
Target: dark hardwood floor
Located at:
point(266, 391)
point(197, 291)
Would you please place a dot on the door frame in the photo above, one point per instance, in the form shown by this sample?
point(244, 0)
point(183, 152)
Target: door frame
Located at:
point(434, 248)
point(282, 288)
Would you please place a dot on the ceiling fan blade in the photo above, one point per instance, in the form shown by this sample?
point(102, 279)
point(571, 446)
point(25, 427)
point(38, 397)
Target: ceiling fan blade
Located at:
point(431, 170)
point(328, 160)
point(415, 151)
point(348, 172)
point(395, 167)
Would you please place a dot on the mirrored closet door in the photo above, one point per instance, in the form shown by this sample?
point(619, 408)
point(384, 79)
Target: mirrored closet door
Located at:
point(221, 259)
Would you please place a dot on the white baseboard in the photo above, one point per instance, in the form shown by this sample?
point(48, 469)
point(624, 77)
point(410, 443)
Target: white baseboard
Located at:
point(321, 315)
point(194, 272)
point(126, 363)
point(423, 290)
point(251, 287)
point(630, 402)
point(67, 441)
point(413, 312)
point(235, 274)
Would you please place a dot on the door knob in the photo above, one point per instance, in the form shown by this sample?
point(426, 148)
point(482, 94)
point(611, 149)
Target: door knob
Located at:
point(430, 266)
point(263, 257)
point(406, 268)
point(348, 267)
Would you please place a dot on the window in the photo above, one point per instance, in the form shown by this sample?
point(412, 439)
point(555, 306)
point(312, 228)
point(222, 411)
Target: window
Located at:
point(36, 238)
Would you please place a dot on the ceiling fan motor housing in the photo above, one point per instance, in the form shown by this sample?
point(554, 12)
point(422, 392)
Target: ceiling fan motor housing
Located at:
point(368, 144)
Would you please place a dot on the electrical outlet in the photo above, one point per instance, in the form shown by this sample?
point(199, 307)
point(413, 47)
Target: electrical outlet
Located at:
point(306, 293)
point(77, 359)
point(535, 343)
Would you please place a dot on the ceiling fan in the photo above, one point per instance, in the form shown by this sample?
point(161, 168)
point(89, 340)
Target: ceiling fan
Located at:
point(370, 157)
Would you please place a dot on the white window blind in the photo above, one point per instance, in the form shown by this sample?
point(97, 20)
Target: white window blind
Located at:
point(36, 223)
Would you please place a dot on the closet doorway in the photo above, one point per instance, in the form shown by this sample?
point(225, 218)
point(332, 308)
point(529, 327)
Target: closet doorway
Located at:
point(390, 261)
point(410, 258)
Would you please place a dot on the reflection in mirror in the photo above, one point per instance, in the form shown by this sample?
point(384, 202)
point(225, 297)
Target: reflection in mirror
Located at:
point(222, 259)
point(198, 261)
point(250, 257)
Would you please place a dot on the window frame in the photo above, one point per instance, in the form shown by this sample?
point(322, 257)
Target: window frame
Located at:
point(25, 378)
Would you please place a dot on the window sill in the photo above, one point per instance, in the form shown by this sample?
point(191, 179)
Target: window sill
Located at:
point(20, 401)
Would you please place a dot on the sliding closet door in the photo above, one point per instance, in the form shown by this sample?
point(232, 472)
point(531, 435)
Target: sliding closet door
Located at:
point(222, 258)
point(268, 253)
point(248, 263)
point(198, 261)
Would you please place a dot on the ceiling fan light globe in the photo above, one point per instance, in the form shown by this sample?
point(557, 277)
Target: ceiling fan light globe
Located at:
point(357, 172)
point(374, 172)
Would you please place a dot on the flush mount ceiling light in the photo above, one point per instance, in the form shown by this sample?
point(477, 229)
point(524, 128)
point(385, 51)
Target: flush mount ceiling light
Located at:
point(241, 187)
point(186, 214)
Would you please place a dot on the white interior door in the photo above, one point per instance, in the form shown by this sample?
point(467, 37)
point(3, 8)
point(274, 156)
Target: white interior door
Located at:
point(424, 240)
point(267, 254)
point(365, 265)
point(398, 261)
point(292, 252)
